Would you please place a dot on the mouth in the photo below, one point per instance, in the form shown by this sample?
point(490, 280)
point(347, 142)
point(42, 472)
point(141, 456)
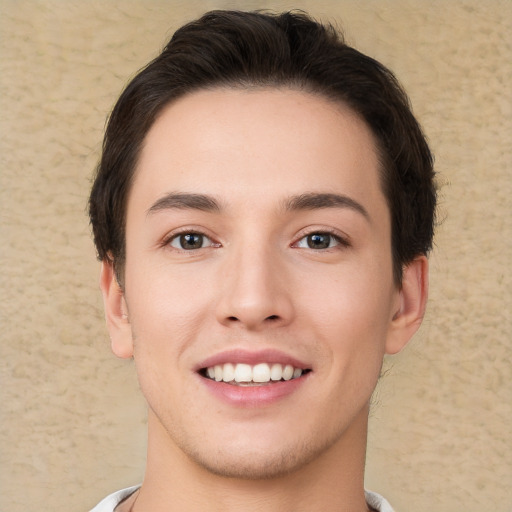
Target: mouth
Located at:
point(261, 374)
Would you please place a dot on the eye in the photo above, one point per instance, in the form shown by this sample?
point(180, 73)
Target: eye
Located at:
point(190, 241)
point(319, 241)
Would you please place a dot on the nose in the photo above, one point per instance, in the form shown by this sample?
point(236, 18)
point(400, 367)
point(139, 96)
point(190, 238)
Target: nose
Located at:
point(255, 292)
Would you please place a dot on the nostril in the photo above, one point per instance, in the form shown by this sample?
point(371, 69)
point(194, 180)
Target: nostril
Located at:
point(249, 320)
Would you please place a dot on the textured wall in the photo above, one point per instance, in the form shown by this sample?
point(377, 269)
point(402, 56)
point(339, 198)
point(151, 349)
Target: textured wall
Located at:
point(72, 419)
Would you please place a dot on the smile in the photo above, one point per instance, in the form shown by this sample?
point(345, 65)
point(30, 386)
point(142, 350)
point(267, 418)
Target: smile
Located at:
point(251, 375)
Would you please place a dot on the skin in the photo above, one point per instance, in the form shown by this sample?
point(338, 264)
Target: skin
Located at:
point(256, 284)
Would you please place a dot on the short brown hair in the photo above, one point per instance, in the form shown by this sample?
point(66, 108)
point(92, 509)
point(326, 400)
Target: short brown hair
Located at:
point(248, 49)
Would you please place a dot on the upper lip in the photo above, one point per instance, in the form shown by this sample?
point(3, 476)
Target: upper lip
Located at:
point(251, 357)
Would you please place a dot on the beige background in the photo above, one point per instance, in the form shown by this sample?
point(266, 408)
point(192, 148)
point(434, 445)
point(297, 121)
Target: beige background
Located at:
point(72, 419)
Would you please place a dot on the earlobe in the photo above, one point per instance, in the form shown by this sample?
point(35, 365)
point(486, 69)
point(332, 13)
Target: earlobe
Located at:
point(411, 305)
point(116, 312)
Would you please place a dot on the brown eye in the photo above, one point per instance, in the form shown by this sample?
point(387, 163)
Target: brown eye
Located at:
point(190, 241)
point(319, 240)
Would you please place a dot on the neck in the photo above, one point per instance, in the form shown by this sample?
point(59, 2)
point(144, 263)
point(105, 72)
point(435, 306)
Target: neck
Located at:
point(332, 481)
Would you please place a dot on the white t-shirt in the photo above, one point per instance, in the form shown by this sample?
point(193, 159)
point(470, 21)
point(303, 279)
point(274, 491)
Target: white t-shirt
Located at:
point(373, 499)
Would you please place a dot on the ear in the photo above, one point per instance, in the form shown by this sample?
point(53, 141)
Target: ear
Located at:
point(411, 305)
point(116, 312)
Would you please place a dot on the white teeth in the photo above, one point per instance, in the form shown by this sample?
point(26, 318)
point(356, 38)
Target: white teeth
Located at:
point(261, 373)
point(228, 372)
point(288, 372)
point(276, 372)
point(245, 373)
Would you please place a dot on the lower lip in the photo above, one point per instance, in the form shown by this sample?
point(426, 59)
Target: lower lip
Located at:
point(253, 396)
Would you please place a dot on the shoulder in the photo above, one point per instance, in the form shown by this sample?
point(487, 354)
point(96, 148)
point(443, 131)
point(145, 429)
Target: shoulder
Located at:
point(109, 503)
point(377, 502)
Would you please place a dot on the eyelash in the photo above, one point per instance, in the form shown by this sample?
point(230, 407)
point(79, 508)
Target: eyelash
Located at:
point(175, 236)
point(341, 241)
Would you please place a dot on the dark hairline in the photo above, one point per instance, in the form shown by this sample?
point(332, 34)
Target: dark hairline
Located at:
point(293, 85)
point(250, 50)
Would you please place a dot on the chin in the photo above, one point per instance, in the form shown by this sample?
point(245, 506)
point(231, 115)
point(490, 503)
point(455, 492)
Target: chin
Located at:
point(257, 462)
point(259, 468)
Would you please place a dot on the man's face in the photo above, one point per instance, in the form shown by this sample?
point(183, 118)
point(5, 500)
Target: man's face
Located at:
point(257, 235)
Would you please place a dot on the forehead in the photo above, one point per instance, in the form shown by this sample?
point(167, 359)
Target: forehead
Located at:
point(256, 144)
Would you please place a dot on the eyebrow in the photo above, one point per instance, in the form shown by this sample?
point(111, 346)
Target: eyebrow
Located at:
point(314, 201)
point(185, 201)
point(307, 201)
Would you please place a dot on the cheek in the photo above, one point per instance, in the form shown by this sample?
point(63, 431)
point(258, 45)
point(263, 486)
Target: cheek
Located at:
point(166, 312)
point(158, 292)
point(352, 316)
point(355, 299)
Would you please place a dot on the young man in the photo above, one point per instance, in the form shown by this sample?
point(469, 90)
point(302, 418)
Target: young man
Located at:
point(263, 210)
